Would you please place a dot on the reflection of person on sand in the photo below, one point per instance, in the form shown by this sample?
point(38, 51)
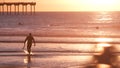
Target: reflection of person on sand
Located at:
point(29, 39)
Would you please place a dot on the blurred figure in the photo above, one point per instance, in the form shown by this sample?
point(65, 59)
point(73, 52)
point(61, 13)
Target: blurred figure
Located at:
point(29, 39)
point(104, 60)
point(105, 57)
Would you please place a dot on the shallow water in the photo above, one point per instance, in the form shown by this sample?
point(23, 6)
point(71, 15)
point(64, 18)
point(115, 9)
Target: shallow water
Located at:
point(64, 40)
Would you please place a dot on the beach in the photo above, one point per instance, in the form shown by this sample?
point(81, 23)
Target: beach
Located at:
point(63, 39)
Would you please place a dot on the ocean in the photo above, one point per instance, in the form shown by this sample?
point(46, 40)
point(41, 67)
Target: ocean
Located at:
point(63, 39)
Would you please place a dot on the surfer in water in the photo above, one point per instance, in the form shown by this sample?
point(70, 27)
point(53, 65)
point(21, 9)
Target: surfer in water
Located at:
point(29, 39)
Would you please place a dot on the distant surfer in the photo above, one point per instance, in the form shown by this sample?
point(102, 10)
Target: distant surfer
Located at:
point(97, 27)
point(20, 23)
point(29, 39)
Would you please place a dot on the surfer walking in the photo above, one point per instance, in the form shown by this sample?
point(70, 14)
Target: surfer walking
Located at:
point(30, 40)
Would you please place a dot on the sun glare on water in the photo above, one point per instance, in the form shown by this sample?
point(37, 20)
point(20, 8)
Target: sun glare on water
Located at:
point(103, 42)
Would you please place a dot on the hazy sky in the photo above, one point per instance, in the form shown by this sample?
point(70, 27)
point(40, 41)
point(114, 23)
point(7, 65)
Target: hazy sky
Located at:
point(78, 5)
point(75, 5)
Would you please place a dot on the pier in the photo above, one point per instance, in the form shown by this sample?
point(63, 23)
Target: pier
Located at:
point(17, 7)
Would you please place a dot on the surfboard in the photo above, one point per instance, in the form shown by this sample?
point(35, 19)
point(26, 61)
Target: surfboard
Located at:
point(26, 52)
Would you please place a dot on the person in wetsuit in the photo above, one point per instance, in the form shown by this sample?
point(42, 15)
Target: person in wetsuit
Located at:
point(29, 39)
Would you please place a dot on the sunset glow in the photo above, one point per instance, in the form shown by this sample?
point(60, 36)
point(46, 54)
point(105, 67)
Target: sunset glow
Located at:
point(80, 5)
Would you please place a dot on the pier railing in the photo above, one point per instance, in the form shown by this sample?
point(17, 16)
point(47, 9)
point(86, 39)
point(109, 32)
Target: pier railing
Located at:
point(17, 7)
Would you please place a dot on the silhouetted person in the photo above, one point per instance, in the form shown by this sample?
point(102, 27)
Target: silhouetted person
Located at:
point(29, 39)
point(105, 57)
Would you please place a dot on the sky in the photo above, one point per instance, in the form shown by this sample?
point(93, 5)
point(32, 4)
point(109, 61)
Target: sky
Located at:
point(74, 5)
point(79, 5)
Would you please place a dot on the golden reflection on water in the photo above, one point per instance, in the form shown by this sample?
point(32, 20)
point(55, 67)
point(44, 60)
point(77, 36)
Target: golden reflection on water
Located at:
point(25, 61)
point(105, 40)
point(28, 57)
point(104, 45)
point(80, 59)
point(103, 66)
point(102, 42)
point(104, 17)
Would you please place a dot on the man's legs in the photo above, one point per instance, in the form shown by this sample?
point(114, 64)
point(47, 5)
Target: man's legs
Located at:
point(29, 48)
